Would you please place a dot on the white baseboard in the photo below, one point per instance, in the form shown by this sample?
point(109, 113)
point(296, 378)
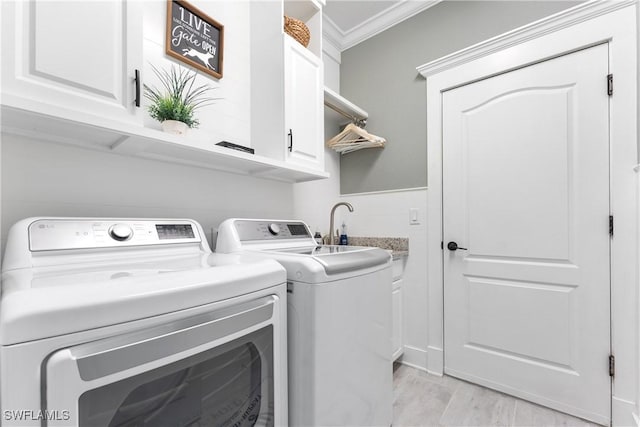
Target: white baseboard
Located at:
point(414, 357)
point(435, 361)
point(623, 412)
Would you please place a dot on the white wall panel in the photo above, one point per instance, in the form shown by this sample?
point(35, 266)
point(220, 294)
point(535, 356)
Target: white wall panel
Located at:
point(40, 178)
point(387, 215)
point(229, 118)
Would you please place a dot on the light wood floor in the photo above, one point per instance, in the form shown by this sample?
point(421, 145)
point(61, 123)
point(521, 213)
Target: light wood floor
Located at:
point(422, 399)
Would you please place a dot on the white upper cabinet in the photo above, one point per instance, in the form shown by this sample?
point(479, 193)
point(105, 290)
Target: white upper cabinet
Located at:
point(287, 104)
point(303, 88)
point(303, 105)
point(68, 75)
point(63, 58)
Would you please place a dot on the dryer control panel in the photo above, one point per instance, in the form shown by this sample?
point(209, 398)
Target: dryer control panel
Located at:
point(64, 234)
point(271, 230)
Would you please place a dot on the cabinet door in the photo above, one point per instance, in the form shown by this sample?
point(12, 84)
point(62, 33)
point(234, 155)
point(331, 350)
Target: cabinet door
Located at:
point(72, 57)
point(303, 106)
point(396, 314)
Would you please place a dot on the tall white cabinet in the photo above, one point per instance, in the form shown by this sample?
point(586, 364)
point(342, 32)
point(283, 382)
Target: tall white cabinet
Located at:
point(303, 105)
point(288, 102)
point(67, 58)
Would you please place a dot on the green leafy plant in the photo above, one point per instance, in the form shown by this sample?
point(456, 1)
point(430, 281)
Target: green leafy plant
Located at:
point(178, 98)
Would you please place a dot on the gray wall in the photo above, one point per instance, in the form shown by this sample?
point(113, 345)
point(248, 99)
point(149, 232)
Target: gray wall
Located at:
point(380, 76)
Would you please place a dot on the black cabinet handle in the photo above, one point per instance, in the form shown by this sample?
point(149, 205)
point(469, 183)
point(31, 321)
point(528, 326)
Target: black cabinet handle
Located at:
point(137, 80)
point(290, 140)
point(453, 246)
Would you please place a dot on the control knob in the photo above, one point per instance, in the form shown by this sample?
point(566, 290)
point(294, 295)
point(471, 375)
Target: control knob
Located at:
point(120, 232)
point(274, 229)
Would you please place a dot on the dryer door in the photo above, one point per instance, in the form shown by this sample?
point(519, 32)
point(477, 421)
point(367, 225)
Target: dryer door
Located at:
point(212, 369)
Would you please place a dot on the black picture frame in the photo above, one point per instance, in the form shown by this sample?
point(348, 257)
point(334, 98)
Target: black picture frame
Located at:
point(194, 38)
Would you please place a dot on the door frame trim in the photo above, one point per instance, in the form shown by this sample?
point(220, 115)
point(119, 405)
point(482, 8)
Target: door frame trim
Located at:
point(579, 27)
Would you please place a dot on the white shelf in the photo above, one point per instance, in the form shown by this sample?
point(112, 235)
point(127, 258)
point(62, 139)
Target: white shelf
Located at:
point(351, 111)
point(309, 12)
point(133, 140)
point(302, 10)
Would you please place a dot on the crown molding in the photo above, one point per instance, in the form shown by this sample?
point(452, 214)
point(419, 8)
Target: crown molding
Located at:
point(331, 50)
point(332, 33)
point(375, 25)
point(566, 18)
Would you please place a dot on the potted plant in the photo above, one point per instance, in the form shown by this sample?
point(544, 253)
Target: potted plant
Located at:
point(174, 104)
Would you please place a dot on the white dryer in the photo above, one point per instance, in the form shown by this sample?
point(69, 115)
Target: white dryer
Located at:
point(108, 322)
point(339, 322)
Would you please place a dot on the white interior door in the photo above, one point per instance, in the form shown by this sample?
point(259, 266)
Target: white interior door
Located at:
point(526, 192)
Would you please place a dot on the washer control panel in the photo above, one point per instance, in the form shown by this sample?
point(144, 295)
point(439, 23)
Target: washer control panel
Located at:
point(121, 232)
point(274, 229)
point(271, 230)
point(64, 234)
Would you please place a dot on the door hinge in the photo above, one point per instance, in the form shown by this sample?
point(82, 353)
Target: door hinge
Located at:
point(612, 365)
point(441, 245)
point(610, 84)
point(610, 225)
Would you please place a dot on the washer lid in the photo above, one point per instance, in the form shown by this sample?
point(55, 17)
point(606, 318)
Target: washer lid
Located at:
point(49, 301)
point(343, 259)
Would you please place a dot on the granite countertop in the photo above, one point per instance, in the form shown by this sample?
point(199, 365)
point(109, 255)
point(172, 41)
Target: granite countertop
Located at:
point(399, 246)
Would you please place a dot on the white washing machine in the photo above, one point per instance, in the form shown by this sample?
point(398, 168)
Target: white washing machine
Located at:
point(122, 322)
point(339, 322)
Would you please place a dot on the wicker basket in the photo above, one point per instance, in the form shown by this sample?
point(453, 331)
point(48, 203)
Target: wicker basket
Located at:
point(298, 30)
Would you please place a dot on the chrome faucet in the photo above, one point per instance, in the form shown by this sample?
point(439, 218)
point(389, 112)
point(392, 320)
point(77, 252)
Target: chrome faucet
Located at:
point(333, 211)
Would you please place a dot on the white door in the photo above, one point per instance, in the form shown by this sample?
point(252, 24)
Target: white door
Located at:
point(526, 193)
point(303, 106)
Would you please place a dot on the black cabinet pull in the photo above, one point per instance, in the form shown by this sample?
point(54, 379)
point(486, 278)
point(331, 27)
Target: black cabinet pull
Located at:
point(137, 80)
point(290, 140)
point(453, 246)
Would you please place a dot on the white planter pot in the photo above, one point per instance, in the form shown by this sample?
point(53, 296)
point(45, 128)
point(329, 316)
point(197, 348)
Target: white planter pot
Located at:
point(175, 127)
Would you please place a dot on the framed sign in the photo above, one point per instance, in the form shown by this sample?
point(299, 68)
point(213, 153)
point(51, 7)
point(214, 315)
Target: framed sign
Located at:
point(194, 38)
